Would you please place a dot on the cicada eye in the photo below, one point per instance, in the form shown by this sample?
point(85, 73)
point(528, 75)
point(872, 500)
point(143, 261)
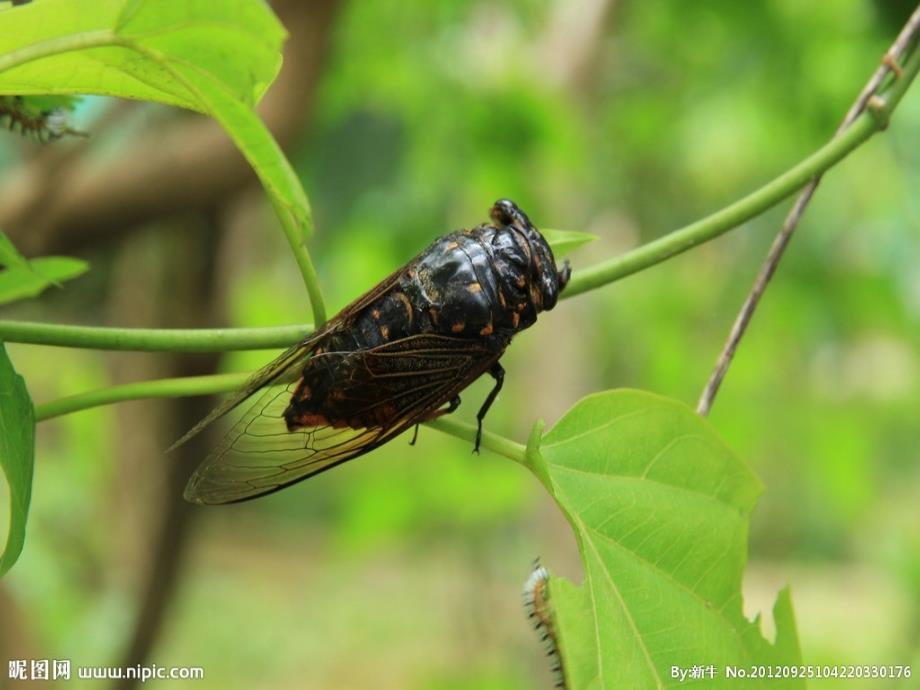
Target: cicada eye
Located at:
point(565, 274)
point(504, 212)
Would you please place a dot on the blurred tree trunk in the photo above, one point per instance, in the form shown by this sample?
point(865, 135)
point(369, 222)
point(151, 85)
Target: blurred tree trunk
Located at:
point(178, 290)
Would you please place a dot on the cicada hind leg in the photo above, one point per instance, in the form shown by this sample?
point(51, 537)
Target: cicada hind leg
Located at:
point(451, 406)
point(497, 373)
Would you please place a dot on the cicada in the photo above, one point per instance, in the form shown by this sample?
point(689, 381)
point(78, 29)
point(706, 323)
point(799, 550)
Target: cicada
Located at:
point(397, 356)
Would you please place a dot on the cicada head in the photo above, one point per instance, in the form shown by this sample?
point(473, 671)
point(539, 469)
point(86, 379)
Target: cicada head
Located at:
point(545, 279)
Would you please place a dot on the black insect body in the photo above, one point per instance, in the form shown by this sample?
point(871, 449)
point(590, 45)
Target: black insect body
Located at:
point(397, 356)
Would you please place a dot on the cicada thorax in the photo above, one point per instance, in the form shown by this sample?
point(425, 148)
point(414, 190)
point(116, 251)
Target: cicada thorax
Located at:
point(487, 282)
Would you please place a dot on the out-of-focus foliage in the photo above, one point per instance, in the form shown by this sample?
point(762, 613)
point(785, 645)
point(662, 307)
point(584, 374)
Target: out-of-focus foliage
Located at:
point(402, 569)
point(20, 277)
point(33, 277)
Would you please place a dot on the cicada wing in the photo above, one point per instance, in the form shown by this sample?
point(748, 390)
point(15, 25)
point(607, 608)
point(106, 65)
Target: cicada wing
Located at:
point(411, 378)
point(284, 369)
point(259, 455)
point(288, 366)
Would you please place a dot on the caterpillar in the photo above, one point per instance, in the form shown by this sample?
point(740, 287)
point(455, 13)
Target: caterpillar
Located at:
point(47, 124)
point(537, 607)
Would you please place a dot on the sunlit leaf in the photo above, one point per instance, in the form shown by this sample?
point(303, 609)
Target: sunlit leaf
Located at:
point(17, 450)
point(660, 508)
point(140, 49)
point(33, 277)
point(566, 241)
point(216, 58)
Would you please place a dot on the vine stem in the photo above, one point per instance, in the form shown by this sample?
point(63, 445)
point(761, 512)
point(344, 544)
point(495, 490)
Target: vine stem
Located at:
point(159, 388)
point(153, 339)
point(296, 230)
point(225, 383)
point(781, 241)
point(873, 120)
point(721, 221)
point(497, 444)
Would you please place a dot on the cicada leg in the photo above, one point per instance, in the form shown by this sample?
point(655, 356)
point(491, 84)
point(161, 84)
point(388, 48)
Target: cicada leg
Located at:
point(451, 406)
point(498, 374)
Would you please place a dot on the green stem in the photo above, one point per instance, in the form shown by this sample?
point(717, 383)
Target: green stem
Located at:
point(730, 217)
point(724, 220)
point(161, 388)
point(296, 227)
point(153, 339)
point(494, 442)
point(225, 383)
point(296, 236)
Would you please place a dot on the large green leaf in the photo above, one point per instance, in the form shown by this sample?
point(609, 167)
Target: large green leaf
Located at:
point(32, 277)
point(214, 57)
point(17, 450)
point(155, 50)
point(660, 509)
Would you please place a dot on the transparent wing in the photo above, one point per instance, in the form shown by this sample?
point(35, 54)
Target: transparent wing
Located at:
point(288, 366)
point(413, 377)
point(284, 369)
point(259, 455)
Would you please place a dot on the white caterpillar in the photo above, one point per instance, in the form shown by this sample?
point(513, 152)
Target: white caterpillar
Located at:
point(536, 604)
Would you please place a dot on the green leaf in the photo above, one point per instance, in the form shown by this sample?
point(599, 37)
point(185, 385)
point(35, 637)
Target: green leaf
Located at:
point(140, 49)
point(31, 278)
point(17, 452)
point(216, 58)
point(566, 241)
point(9, 255)
point(660, 508)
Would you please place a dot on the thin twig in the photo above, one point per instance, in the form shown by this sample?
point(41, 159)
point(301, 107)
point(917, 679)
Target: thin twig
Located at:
point(889, 64)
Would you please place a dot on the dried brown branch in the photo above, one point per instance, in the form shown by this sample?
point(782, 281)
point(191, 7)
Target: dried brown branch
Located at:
point(889, 64)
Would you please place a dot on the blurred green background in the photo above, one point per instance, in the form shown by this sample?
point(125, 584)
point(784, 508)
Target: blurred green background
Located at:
point(403, 569)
